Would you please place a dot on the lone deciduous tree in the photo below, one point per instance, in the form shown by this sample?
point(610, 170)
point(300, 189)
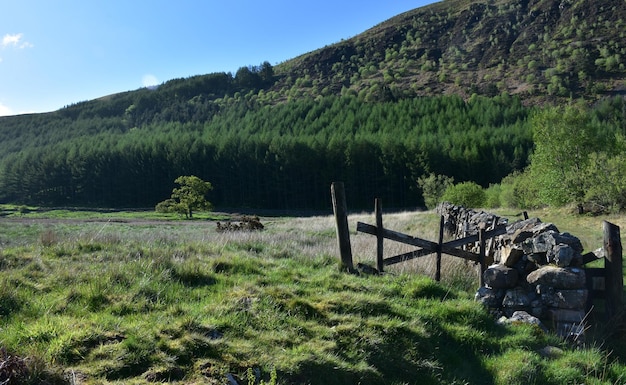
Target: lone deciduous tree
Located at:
point(189, 197)
point(564, 139)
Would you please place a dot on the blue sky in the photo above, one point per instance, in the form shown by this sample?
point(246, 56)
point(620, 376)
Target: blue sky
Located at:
point(58, 52)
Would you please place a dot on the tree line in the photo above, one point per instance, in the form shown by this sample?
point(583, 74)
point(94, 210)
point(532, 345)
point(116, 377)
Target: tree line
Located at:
point(281, 156)
point(577, 160)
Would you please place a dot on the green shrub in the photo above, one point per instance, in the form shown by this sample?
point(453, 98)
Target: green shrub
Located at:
point(518, 190)
point(433, 186)
point(467, 194)
point(492, 196)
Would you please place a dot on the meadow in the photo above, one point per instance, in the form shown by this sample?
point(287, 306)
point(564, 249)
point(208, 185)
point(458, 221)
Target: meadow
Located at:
point(132, 298)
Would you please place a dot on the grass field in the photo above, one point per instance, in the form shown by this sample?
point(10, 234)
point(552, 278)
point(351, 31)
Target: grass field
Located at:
point(127, 298)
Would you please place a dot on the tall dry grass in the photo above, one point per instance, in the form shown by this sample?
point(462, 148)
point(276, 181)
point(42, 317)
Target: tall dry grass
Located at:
point(420, 224)
point(316, 236)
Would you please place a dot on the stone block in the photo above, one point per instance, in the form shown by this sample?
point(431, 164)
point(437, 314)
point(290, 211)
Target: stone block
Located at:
point(543, 242)
point(521, 235)
point(570, 240)
point(489, 297)
point(500, 277)
point(561, 255)
point(517, 298)
point(510, 255)
point(565, 299)
point(524, 317)
point(558, 277)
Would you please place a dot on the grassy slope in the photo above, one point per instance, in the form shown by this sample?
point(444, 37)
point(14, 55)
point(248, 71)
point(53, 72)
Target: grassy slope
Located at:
point(137, 302)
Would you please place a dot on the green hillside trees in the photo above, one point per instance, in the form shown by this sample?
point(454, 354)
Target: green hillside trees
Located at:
point(277, 157)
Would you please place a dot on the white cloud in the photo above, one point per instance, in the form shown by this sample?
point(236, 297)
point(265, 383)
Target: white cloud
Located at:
point(4, 110)
point(15, 40)
point(11, 40)
point(149, 80)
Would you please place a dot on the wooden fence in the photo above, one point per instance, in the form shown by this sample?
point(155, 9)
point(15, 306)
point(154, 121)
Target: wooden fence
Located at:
point(426, 247)
point(606, 283)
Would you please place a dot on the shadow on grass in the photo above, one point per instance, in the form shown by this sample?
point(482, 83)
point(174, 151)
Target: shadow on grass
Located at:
point(401, 357)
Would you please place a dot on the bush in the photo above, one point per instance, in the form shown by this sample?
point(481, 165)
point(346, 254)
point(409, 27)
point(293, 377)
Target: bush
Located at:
point(170, 206)
point(467, 194)
point(519, 191)
point(433, 186)
point(492, 196)
point(605, 176)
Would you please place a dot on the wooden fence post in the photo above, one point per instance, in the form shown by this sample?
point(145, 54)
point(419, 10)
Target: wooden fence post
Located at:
point(340, 209)
point(483, 253)
point(613, 274)
point(439, 250)
point(379, 235)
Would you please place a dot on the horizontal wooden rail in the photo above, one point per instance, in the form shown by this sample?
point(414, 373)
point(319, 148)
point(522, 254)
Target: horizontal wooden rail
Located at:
point(406, 256)
point(474, 238)
point(428, 247)
point(395, 236)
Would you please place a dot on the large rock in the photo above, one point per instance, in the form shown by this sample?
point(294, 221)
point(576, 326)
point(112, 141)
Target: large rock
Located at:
point(545, 227)
point(523, 317)
point(489, 297)
point(525, 225)
point(558, 277)
point(542, 243)
point(500, 277)
point(570, 240)
point(510, 255)
point(547, 240)
point(563, 255)
point(521, 235)
point(565, 299)
point(517, 298)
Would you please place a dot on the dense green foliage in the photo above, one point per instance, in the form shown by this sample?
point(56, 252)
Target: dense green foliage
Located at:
point(578, 159)
point(270, 156)
point(433, 187)
point(467, 194)
point(189, 197)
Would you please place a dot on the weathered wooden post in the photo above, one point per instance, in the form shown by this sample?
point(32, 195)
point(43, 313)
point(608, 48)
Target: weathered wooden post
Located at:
point(483, 253)
point(340, 209)
point(379, 235)
point(439, 250)
point(613, 273)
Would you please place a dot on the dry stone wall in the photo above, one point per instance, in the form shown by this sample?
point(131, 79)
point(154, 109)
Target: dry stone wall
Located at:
point(536, 269)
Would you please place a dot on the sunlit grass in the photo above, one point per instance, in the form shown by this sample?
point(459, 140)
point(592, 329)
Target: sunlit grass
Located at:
point(141, 302)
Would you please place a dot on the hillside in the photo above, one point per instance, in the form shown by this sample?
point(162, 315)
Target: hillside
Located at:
point(541, 50)
point(446, 88)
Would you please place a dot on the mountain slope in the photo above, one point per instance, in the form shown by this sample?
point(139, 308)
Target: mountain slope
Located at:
point(542, 50)
point(377, 111)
